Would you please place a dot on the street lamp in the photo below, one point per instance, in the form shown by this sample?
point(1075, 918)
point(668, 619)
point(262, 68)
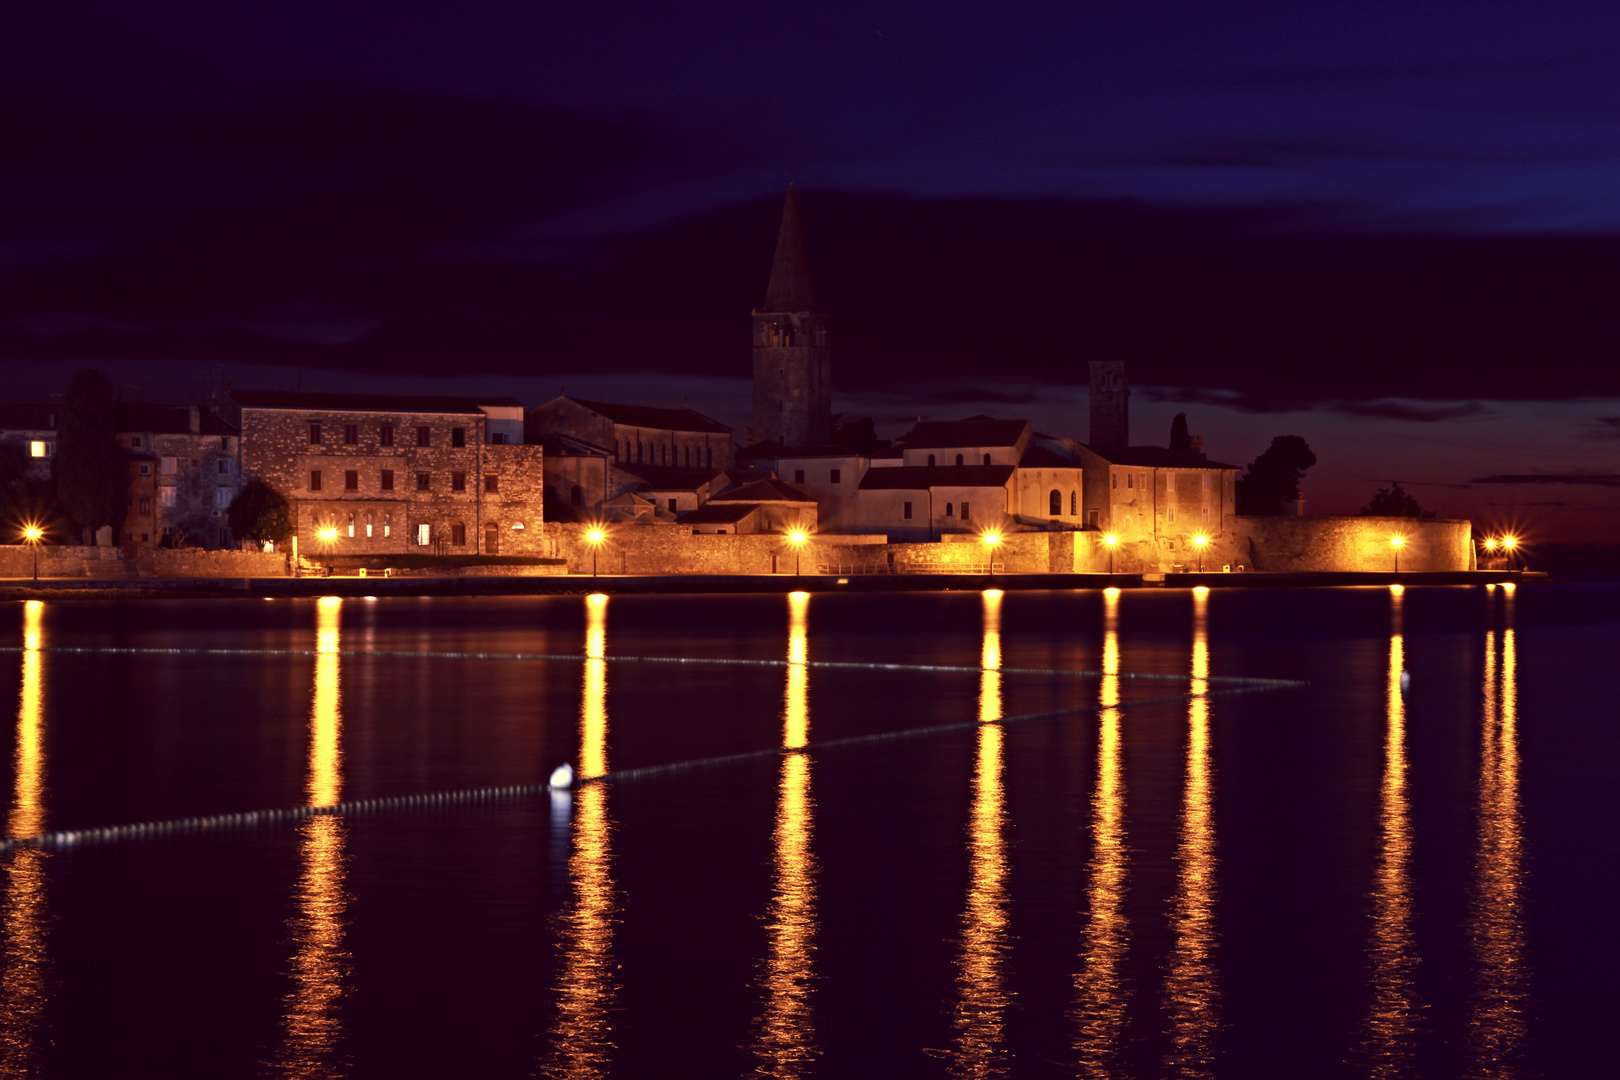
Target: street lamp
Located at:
point(1510, 544)
point(1113, 542)
point(798, 538)
point(32, 535)
point(594, 536)
point(1397, 542)
point(992, 540)
point(1200, 542)
point(327, 535)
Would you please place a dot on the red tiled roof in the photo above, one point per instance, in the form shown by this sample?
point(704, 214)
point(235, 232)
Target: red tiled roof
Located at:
point(648, 416)
point(1156, 457)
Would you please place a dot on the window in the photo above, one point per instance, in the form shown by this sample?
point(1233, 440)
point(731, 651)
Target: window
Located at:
point(835, 477)
point(146, 504)
point(222, 498)
point(351, 479)
point(711, 457)
point(224, 466)
point(135, 442)
point(1206, 514)
point(458, 437)
point(458, 533)
point(315, 480)
point(388, 480)
point(672, 506)
point(905, 511)
point(168, 466)
point(950, 509)
point(492, 483)
point(959, 459)
point(224, 536)
point(458, 481)
point(663, 454)
point(388, 524)
point(146, 470)
point(987, 459)
point(798, 476)
point(1092, 517)
point(368, 526)
point(166, 496)
point(499, 439)
point(424, 436)
point(1115, 478)
point(351, 526)
point(225, 444)
point(930, 459)
point(385, 435)
point(39, 448)
point(1170, 514)
point(351, 434)
point(1054, 504)
point(424, 534)
point(1074, 504)
point(965, 514)
point(1206, 481)
point(1130, 479)
point(688, 457)
point(314, 433)
point(639, 455)
point(423, 481)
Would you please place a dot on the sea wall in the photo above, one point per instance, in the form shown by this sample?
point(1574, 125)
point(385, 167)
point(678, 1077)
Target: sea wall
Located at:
point(110, 562)
point(1299, 544)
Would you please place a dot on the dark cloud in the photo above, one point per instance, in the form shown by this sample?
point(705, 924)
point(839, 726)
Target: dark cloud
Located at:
point(1406, 410)
point(1588, 479)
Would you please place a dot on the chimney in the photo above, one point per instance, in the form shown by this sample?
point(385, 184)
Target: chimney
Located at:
point(196, 420)
point(1196, 444)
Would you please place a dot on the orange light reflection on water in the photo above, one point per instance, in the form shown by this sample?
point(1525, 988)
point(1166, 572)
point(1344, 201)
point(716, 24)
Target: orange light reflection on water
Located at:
point(1099, 1011)
point(321, 964)
point(785, 1038)
point(980, 1016)
point(582, 1043)
point(1192, 995)
point(1496, 1023)
point(25, 916)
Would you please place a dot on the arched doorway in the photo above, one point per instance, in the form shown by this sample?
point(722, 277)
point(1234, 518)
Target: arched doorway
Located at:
point(492, 539)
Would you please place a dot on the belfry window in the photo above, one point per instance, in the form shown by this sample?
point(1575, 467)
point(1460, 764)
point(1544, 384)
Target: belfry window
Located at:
point(959, 459)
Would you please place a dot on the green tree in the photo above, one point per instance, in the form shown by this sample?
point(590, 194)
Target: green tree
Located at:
point(260, 512)
point(1272, 481)
point(88, 469)
point(1393, 501)
point(1180, 440)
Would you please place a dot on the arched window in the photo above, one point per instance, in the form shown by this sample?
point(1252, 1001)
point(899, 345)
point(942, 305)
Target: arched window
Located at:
point(1074, 504)
point(638, 452)
point(577, 495)
point(930, 459)
point(987, 459)
point(492, 539)
point(1054, 503)
point(950, 510)
point(458, 533)
point(688, 457)
point(959, 459)
point(711, 457)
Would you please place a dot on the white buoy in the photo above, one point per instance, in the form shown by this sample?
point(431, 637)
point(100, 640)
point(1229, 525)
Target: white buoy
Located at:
point(1406, 680)
point(562, 777)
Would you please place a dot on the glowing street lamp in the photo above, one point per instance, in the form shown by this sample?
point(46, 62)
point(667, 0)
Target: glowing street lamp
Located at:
point(594, 536)
point(992, 540)
point(1510, 544)
point(1113, 542)
point(798, 538)
point(1397, 542)
point(1200, 542)
point(327, 535)
point(32, 535)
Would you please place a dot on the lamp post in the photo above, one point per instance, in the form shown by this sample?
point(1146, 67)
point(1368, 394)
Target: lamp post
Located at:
point(327, 535)
point(798, 538)
point(595, 535)
point(992, 540)
point(1200, 542)
point(1397, 542)
point(1510, 544)
point(32, 535)
point(1112, 542)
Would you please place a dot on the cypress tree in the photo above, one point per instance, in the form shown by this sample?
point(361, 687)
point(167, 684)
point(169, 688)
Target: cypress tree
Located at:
point(88, 469)
point(1180, 440)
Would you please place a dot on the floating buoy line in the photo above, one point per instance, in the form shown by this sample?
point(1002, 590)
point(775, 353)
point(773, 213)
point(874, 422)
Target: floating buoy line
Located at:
point(564, 777)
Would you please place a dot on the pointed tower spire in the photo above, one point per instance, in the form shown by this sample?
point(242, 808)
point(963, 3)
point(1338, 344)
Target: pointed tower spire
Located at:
point(791, 287)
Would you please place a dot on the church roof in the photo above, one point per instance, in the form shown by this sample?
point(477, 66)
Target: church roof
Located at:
point(711, 513)
point(924, 477)
point(979, 431)
point(761, 491)
point(670, 477)
point(1156, 457)
point(648, 416)
point(791, 287)
point(382, 403)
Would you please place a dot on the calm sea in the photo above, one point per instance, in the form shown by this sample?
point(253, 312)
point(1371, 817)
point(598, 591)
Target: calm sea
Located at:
point(1206, 835)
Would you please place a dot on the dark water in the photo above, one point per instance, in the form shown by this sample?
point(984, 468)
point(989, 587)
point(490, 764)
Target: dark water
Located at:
point(1320, 881)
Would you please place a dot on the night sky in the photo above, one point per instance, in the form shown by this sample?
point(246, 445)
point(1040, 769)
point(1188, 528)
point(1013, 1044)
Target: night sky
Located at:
point(1395, 232)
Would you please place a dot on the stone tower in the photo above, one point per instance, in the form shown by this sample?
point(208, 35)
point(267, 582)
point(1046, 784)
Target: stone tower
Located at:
point(792, 369)
point(1110, 405)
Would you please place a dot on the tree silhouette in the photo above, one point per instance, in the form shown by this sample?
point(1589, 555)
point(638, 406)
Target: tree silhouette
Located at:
point(1180, 440)
point(88, 469)
point(1272, 481)
point(260, 512)
point(1395, 502)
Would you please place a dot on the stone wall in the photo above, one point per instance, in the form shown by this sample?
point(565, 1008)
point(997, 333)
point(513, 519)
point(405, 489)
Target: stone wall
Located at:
point(17, 561)
point(1294, 544)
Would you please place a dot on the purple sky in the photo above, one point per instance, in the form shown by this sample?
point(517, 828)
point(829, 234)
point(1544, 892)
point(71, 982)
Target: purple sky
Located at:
point(1391, 231)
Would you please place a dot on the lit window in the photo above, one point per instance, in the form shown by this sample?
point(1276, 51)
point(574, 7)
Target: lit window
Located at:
point(166, 496)
point(424, 534)
point(36, 448)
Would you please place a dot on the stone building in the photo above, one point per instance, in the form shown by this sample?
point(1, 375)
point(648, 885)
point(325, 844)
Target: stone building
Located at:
point(761, 506)
point(792, 346)
point(183, 475)
point(28, 432)
point(389, 474)
point(1110, 405)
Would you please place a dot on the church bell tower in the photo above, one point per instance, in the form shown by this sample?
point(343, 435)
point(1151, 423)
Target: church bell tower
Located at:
point(792, 367)
point(1110, 406)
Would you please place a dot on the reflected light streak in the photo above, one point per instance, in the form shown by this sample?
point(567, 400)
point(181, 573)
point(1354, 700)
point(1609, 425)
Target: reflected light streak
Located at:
point(1192, 997)
point(1496, 1025)
point(582, 1045)
point(313, 1026)
point(785, 1039)
point(25, 915)
point(982, 997)
point(1099, 1011)
point(1392, 1019)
